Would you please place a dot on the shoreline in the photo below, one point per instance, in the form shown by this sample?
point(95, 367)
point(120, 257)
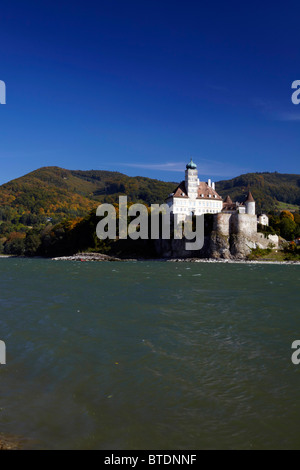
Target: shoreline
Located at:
point(8, 442)
point(98, 257)
point(232, 261)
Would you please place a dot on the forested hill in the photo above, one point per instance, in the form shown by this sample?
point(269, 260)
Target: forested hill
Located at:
point(57, 193)
point(271, 191)
point(49, 212)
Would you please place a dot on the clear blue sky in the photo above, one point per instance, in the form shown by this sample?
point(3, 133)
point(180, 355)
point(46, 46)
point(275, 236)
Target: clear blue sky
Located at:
point(140, 86)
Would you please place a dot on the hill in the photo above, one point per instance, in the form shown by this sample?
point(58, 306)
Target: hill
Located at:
point(55, 193)
point(51, 211)
point(51, 194)
point(271, 191)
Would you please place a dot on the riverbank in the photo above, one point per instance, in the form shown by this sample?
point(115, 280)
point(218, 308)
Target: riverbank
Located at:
point(99, 257)
point(9, 443)
point(230, 261)
point(89, 257)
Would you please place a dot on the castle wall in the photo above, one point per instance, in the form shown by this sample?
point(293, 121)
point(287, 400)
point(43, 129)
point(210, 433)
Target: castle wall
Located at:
point(238, 224)
point(250, 207)
point(264, 242)
point(234, 235)
point(274, 239)
point(243, 224)
point(221, 223)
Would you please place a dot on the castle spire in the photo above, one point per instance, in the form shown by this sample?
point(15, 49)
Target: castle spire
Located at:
point(228, 200)
point(191, 165)
point(250, 198)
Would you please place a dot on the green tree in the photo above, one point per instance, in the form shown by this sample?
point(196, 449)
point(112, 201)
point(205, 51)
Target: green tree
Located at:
point(288, 229)
point(32, 244)
point(15, 247)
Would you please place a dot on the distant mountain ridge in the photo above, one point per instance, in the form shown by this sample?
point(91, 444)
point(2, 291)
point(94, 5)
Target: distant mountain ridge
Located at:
point(56, 193)
point(271, 191)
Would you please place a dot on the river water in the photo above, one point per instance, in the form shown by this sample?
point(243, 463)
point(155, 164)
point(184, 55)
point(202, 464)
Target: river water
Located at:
point(149, 355)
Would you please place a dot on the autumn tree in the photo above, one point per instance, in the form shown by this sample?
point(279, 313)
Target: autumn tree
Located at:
point(287, 215)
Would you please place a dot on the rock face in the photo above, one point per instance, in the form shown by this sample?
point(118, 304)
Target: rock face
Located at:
point(240, 246)
point(216, 246)
point(176, 249)
point(233, 236)
point(219, 246)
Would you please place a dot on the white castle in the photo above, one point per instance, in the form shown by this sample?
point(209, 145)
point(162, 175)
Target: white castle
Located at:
point(234, 230)
point(195, 197)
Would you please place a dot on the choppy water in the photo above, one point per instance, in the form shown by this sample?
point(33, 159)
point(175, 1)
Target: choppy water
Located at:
point(149, 355)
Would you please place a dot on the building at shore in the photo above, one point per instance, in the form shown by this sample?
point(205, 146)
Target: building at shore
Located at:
point(195, 197)
point(234, 229)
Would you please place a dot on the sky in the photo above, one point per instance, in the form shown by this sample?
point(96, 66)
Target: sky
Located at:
point(140, 87)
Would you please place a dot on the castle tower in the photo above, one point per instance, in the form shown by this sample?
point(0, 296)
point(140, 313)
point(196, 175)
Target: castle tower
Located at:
point(250, 204)
point(191, 180)
point(228, 200)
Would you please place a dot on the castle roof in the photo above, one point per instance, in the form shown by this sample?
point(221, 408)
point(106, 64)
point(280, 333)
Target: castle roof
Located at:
point(250, 197)
point(204, 191)
point(180, 191)
point(229, 207)
point(228, 200)
point(191, 165)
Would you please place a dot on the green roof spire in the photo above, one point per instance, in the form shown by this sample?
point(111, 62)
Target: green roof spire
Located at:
point(191, 165)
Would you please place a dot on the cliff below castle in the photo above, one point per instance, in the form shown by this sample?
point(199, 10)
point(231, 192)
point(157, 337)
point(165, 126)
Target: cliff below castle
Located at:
point(230, 236)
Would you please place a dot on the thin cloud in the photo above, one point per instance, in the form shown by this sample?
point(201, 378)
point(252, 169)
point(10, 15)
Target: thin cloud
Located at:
point(288, 116)
point(275, 112)
point(205, 167)
point(159, 166)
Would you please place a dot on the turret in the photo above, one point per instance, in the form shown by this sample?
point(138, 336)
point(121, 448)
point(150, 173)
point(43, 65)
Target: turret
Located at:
point(228, 200)
point(191, 180)
point(250, 204)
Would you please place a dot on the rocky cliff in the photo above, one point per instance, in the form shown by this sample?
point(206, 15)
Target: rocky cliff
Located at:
point(216, 246)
